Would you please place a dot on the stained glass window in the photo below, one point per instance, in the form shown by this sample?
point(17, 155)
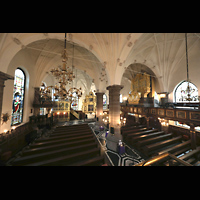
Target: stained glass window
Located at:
point(104, 102)
point(75, 100)
point(18, 97)
point(181, 92)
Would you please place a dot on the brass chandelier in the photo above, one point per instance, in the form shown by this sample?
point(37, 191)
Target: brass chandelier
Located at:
point(65, 76)
point(189, 90)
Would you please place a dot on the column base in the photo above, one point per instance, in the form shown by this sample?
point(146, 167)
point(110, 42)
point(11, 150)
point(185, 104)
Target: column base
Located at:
point(112, 142)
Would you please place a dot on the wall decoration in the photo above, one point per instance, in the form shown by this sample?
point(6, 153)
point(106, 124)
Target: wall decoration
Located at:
point(181, 114)
point(153, 111)
point(161, 112)
point(89, 103)
point(61, 110)
point(195, 116)
point(90, 108)
point(5, 117)
point(169, 113)
point(140, 110)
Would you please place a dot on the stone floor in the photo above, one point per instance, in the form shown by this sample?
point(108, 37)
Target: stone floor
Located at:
point(129, 158)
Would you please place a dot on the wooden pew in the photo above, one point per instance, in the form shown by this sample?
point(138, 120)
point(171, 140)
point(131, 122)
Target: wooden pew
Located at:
point(150, 149)
point(126, 128)
point(53, 137)
point(60, 141)
point(56, 132)
point(177, 149)
point(135, 134)
point(97, 161)
point(33, 151)
point(37, 157)
point(126, 133)
point(68, 133)
point(75, 145)
point(71, 128)
point(154, 140)
point(192, 156)
point(69, 159)
point(153, 133)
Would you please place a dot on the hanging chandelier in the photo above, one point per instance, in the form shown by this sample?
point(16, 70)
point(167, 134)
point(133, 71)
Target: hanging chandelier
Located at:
point(65, 76)
point(45, 92)
point(187, 93)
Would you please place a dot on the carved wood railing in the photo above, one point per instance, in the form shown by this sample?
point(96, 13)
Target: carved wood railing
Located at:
point(73, 112)
point(183, 115)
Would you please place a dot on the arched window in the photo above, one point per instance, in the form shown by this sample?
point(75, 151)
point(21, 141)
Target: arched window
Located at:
point(104, 102)
point(75, 101)
point(18, 97)
point(181, 94)
point(120, 98)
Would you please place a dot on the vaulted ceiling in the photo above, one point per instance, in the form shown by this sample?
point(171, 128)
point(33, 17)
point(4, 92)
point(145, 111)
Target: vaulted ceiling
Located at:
point(104, 57)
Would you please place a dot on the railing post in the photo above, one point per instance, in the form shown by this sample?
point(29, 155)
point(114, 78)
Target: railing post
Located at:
point(193, 136)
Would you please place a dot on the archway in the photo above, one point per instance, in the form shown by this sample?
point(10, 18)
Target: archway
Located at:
point(130, 91)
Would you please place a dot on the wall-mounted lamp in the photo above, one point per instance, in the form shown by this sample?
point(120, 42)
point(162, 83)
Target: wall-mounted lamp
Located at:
point(163, 94)
point(163, 97)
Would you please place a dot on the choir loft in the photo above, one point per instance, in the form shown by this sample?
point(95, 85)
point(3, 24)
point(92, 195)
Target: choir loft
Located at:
point(99, 99)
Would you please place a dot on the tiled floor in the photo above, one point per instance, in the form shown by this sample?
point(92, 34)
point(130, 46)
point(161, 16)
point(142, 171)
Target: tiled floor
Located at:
point(130, 157)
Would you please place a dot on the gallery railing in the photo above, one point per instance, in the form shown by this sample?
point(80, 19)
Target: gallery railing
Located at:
point(167, 158)
point(177, 114)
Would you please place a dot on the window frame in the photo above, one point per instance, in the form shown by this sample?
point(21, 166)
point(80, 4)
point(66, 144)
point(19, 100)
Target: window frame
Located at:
point(22, 115)
point(176, 88)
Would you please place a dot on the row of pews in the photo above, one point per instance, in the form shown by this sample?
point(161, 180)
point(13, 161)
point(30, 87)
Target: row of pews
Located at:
point(73, 145)
point(152, 142)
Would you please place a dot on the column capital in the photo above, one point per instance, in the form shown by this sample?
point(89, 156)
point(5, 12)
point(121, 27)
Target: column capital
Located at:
point(115, 87)
point(99, 93)
point(5, 76)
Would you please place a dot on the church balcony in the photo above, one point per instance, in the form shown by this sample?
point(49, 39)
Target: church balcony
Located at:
point(182, 113)
point(43, 103)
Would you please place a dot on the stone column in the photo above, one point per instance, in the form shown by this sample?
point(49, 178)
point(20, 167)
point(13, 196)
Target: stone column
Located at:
point(114, 109)
point(1, 96)
point(36, 102)
point(99, 106)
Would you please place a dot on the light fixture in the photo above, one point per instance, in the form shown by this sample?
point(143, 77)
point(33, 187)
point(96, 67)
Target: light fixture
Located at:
point(65, 75)
point(45, 91)
point(162, 94)
point(187, 93)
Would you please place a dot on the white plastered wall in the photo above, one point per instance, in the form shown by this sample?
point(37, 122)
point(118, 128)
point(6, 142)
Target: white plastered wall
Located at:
point(24, 61)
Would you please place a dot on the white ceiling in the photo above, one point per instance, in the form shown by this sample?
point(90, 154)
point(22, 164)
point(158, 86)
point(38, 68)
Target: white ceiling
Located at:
point(106, 56)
